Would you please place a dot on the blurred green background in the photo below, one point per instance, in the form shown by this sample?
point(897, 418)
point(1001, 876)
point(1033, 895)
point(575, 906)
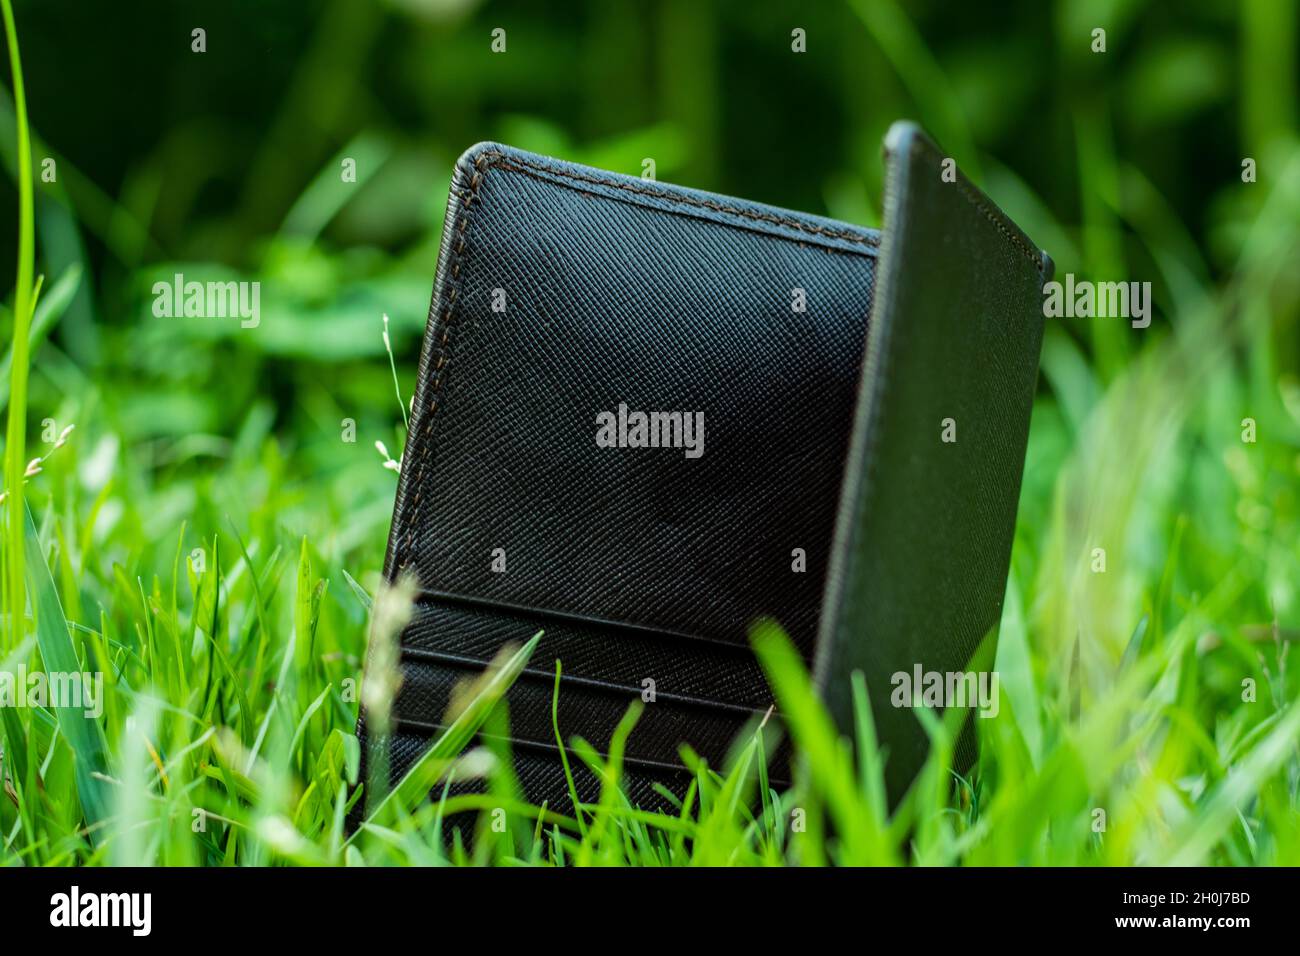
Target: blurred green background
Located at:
point(1126, 165)
point(1123, 165)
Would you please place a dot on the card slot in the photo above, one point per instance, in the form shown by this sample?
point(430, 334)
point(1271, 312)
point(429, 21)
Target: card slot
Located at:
point(540, 774)
point(531, 673)
point(723, 675)
point(589, 712)
point(434, 729)
point(427, 595)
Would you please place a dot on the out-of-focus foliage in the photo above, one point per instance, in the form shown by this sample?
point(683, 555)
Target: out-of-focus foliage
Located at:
point(209, 493)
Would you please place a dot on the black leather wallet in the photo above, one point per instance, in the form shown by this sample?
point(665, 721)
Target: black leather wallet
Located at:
point(647, 416)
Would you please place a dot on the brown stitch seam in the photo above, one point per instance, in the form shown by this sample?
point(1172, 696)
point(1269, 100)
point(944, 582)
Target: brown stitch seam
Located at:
point(993, 215)
point(435, 384)
point(519, 165)
point(1001, 227)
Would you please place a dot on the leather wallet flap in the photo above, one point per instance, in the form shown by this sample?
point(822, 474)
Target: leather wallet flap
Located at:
point(928, 506)
point(585, 318)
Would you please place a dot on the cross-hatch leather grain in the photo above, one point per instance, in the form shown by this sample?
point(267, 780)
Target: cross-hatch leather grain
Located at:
point(563, 291)
point(640, 563)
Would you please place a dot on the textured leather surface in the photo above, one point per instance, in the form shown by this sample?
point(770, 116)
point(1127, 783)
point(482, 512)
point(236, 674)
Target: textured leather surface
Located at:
point(618, 291)
point(924, 535)
point(563, 291)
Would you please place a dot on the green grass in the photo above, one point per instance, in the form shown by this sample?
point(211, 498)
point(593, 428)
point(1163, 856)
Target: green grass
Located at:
point(19, 351)
point(202, 547)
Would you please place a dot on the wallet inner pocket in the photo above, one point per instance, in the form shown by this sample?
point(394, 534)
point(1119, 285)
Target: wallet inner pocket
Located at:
point(682, 669)
point(629, 432)
point(569, 305)
point(702, 691)
point(588, 710)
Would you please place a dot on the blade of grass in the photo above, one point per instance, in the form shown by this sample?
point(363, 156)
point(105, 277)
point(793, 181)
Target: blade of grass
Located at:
point(82, 732)
point(16, 433)
point(828, 763)
point(424, 773)
point(564, 756)
point(48, 312)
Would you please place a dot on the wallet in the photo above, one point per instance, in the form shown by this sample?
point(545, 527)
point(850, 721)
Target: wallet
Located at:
point(649, 416)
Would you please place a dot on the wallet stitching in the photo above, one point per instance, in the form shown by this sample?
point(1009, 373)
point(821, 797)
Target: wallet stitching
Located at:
point(439, 368)
point(503, 161)
point(991, 213)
